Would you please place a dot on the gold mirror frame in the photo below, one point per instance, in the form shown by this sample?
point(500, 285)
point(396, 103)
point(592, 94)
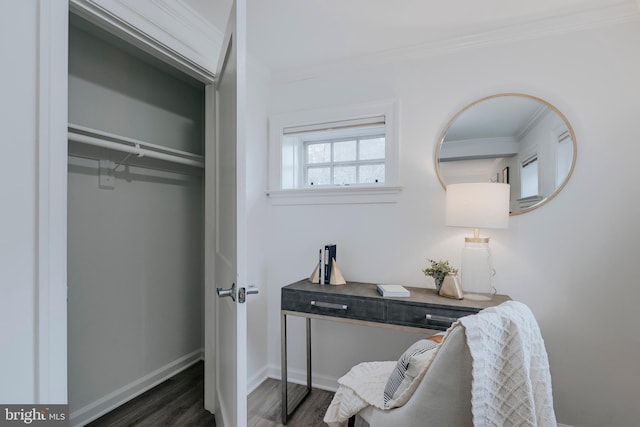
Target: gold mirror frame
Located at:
point(541, 101)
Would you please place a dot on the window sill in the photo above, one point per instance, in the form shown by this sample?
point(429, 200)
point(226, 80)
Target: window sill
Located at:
point(335, 196)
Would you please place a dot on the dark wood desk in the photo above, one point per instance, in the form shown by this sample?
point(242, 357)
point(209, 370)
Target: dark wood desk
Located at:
point(360, 303)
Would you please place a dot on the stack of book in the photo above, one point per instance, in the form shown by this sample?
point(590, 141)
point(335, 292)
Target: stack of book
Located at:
point(326, 259)
point(393, 291)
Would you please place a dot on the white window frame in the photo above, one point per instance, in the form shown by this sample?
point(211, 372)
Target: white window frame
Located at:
point(532, 159)
point(357, 193)
point(563, 141)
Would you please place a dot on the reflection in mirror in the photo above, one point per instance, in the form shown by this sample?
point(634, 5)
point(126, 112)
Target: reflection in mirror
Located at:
point(516, 139)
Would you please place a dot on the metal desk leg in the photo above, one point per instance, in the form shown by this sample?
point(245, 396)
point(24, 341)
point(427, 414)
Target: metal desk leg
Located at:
point(283, 358)
point(308, 356)
point(283, 366)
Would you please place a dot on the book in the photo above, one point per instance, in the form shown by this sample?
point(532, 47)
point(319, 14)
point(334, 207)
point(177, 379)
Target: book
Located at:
point(393, 291)
point(329, 255)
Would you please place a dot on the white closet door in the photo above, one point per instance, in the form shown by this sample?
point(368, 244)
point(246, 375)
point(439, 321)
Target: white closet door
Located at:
point(230, 227)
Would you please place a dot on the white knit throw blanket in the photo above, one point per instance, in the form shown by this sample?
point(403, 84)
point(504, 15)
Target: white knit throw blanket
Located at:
point(511, 381)
point(362, 386)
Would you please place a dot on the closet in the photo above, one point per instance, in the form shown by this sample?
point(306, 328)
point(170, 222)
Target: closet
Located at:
point(135, 220)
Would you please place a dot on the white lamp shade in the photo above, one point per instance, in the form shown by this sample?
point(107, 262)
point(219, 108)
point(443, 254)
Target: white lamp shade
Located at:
point(478, 205)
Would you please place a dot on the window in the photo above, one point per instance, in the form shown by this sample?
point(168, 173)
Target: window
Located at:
point(339, 151)
point(357, 160)
point(529, 177)
point(335, 155)
point(564, 157)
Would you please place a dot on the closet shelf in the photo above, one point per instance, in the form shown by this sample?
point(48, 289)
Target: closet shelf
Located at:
point(111, 141)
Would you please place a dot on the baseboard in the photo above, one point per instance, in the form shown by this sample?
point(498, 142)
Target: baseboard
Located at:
point(298, 376)
point(257, 379)
point(564, 425)
point(116, 398)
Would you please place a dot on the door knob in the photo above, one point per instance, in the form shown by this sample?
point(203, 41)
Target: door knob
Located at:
point(231, 292)
point(242, 293)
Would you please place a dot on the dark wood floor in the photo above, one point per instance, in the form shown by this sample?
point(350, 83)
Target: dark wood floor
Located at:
point(265, 410)
point(179, 402)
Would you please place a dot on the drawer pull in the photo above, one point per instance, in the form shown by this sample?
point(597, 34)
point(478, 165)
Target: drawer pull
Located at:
point(329, 305)
point(440, 318)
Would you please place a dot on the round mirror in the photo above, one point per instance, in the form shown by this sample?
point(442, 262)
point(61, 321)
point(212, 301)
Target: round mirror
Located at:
point(511, 138)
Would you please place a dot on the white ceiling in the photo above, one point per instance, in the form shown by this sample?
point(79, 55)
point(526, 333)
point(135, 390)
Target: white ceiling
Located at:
point(294, 34)
point(505, 116)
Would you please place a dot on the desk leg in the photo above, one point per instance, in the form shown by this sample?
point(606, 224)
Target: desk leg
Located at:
point(283, 358)
point(308, 356)
point(283, 361)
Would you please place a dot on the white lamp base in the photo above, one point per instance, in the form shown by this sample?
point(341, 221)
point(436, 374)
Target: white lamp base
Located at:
point(477, 269)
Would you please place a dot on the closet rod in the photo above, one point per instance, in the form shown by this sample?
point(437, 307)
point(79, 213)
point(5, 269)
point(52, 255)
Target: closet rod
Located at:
point(135, 149)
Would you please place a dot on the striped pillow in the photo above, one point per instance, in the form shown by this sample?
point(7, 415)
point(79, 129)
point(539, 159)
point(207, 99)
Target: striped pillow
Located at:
point(412, 362)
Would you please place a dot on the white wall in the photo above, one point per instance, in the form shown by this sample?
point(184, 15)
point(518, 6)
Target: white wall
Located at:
point(571, 261)
point(33, 119)
point(18, 211)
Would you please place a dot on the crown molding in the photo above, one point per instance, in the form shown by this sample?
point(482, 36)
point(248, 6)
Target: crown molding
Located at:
point(535, 118)
point(533, 28)
point(169, 29)
point(186, 26)
point(478, 148)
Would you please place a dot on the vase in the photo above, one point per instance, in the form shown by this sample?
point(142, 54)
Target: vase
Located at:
point(451, 287)
point(438, 284)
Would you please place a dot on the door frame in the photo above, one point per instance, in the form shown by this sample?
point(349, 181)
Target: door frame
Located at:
point(51, 198)
point(50, 304)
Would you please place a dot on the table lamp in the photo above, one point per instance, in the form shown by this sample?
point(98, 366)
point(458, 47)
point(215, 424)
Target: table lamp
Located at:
point(477, 205)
